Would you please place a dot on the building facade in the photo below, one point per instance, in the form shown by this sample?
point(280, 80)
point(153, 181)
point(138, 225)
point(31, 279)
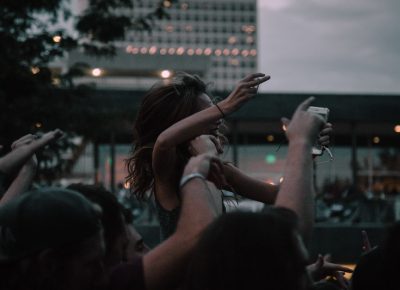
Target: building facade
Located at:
point(214, 39)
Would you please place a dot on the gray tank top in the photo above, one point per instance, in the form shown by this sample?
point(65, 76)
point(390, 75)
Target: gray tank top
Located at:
point(168, 220)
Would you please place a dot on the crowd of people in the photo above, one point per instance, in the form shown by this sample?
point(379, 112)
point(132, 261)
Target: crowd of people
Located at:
point(81, 238)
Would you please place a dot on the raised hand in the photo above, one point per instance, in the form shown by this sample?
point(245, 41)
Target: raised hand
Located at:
point(40, 140)
point(243, 92)
point(324, 135)
point(205, 144)
point(22, 159)
point(207, 165)
point(304, 126)
point(323, 268)
point(37, 142)
point(366, 243)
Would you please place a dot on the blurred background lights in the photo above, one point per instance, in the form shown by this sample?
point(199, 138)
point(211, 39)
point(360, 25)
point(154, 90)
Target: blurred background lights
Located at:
point(190, 51)
point(270, 158)
point(167, 3)
point(199, 51)
point(180, 51)
point(57, 38)
point(165, 74)
point(171, 51)
point(96, 72)
point(397, 128)
point(35, 70)
point(376, 140)
point(270, 138)
point(153, 50)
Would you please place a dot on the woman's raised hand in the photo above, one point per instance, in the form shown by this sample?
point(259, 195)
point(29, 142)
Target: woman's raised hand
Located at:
point(205, 144)
point(243, 92)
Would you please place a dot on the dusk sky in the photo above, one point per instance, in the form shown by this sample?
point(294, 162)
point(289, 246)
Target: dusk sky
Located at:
point(330, 45)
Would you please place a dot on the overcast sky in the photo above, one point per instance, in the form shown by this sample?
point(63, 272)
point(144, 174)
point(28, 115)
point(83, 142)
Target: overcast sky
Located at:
point(330, 45)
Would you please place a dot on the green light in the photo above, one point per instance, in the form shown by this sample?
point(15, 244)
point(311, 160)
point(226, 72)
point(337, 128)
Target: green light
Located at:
point(270, 158)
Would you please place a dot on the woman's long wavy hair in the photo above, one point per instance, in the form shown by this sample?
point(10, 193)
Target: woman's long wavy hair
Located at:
point(164, 105)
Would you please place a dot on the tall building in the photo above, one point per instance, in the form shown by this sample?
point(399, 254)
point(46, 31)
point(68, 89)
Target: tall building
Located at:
point(215, 39)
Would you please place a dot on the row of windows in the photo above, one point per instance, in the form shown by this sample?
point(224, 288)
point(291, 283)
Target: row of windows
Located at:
point(215, 17)
point(192, 5)
point(206, 17)
point(192, 41)
point(234, 77)
point(209, 37)
point(234, 62)
point(206, 27)
point(233, 55)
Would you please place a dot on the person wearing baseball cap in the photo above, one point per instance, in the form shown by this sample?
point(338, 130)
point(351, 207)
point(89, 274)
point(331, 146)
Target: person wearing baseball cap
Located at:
point(50, 239)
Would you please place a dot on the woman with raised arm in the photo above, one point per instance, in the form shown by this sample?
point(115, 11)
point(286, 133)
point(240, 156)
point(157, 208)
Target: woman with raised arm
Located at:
point(170, 117)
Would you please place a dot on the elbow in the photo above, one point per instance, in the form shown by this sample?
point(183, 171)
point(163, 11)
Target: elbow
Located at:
point(163, 143)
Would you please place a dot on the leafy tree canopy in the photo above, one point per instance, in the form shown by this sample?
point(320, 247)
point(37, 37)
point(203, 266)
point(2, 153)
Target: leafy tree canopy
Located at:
point(33, 33)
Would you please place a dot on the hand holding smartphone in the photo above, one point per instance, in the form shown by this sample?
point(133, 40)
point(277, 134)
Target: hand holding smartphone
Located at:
point(324, 113)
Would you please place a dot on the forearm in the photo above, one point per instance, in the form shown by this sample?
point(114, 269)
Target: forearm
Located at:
point(20, 184)
point(14, 160)
point(164, 265)
point(297, 192)
point(189, 128)
point(250, 187)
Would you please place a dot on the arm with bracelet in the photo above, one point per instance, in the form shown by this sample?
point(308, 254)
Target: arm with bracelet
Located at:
point(163, 266)
point(199, 122)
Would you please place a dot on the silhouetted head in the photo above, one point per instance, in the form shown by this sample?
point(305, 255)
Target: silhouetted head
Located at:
point(51, 239)
point(250, 251)
point(112, 219)
point(164, 105)
point(391, 258)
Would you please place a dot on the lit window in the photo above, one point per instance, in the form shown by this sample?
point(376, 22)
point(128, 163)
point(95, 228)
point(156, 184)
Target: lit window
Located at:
point(249, 39)
point(235, 51)
point(232, 40)
point(167, 3)
point(180, 51)
point(207, 51)
point(190, 51)
point(169, 28)
point(153, 50)
point(226, 52)
point(171, 51)
point(184, 6)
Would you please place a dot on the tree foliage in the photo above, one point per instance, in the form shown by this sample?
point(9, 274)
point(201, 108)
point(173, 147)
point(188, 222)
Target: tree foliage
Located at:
point(34, 33)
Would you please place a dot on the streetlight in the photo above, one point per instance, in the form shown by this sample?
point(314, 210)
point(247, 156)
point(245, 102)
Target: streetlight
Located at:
point(165, 74)
point(96, 72)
